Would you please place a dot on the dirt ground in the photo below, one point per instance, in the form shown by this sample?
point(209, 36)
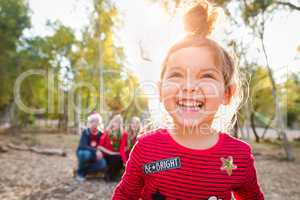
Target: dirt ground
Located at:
point(30, 176)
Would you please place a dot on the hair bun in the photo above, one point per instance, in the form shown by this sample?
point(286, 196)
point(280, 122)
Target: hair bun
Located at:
point(201, 19)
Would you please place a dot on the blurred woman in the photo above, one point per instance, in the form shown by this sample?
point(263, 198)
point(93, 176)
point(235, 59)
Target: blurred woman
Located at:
point(113, 143)
point(89, 155)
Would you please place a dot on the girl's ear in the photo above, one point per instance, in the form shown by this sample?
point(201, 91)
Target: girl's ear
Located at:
point(159, 90)
point(229, 92)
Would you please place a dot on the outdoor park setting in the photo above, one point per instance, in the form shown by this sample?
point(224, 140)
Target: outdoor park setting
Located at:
point(80, 75)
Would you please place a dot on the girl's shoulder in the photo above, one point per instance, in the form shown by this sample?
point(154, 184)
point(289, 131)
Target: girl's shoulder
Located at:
point(105, 133)
point(124, 135)
point(152, 135)
point(235, 143)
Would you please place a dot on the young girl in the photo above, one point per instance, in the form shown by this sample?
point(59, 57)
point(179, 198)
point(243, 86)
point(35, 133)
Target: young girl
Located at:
point(192, 161)
point(113, 145)
point(90, 158)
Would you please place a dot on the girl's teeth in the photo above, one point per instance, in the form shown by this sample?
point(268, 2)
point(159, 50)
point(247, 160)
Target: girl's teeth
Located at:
point(191, 104)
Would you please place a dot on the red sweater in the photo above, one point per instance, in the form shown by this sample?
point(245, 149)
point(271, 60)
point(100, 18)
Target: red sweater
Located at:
point(160, 168)
point(106, 142)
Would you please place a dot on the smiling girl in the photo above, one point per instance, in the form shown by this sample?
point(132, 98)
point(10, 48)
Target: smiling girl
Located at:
point(193, 160)
point(113, 145)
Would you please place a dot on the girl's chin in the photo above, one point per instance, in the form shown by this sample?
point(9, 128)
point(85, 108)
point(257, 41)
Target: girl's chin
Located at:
point(192, 121)
point(185, 122)
point(188, 123)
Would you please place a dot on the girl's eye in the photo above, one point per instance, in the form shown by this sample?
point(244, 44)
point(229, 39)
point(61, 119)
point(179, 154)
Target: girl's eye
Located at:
point(175, 75)
point(208, 76)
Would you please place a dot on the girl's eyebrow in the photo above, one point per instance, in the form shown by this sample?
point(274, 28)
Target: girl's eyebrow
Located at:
point(174, 68)
point(214, 70)
point(204, 69)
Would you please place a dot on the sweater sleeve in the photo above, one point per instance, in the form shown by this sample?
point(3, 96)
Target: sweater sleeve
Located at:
point(102, 141)
point(123, 144)
point(132, 182)
point(105, 140)
point(250, 190)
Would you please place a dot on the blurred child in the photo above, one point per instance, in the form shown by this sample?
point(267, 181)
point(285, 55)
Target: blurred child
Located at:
point(193, 160)
point(113, 144)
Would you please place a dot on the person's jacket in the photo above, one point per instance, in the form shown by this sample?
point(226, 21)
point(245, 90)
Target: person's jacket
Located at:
point(85, 140)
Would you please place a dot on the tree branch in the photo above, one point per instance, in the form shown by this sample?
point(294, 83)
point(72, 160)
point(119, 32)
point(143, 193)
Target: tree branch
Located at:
point(59, 152)
point(288, 4)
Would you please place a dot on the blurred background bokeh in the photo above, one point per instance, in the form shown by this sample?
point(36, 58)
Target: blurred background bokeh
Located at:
point(60, 60)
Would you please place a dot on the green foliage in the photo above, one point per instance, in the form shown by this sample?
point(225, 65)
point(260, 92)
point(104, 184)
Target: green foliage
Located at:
point(292, 101)
point(261, 92)
point(258, 96)
point(102, 57)
point(14, 19)
point(254, 8)
point(261, 99)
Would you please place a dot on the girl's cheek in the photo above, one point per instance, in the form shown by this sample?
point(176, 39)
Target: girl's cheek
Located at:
point(168, 94)
point(171, 83)
point(169, 88)
point(167, 97)
point(212, 89)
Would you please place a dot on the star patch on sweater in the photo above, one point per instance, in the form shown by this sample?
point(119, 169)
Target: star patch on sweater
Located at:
point(227, 165)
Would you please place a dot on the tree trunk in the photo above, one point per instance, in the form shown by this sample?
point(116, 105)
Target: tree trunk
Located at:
point(87, 103)
point(247, 124)
point(252, 123)
point(63, 114)
point(77, 114)
point(278, 110)
point(66, 112)
point(12, 115)
point(44, 151)
point(267, 128)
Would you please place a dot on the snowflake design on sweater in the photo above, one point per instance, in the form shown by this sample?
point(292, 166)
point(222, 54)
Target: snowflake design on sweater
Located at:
point(213, 198)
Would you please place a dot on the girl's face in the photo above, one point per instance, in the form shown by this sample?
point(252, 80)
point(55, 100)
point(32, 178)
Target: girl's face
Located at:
point(192, 88)
point(115, 126)
point(134, 125)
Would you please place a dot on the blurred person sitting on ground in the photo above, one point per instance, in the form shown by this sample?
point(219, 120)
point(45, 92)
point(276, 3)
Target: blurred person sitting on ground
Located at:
point(90, 157)
point(113, 144)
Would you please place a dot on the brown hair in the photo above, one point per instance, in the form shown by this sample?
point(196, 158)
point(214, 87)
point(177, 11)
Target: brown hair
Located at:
point(199, 23)
point(117, 118)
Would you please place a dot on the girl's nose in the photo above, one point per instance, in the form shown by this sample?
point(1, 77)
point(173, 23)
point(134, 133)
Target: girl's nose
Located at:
point(189, 86)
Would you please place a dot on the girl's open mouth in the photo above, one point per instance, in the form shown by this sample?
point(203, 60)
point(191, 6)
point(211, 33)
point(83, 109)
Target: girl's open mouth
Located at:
point(190, 105)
